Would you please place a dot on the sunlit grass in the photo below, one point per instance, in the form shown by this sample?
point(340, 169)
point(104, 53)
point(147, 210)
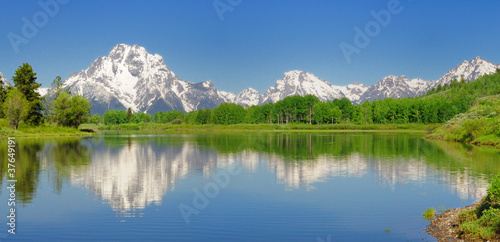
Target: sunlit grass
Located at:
point(429, 214)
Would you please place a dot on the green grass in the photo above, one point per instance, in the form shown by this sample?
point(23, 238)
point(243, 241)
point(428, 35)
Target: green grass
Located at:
point(429, 214)
point(478, 126)
point(264, 127)
point(483, 222)
point(43, 130)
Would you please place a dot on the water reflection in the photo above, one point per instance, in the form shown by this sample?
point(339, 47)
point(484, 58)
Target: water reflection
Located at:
point(133, 172)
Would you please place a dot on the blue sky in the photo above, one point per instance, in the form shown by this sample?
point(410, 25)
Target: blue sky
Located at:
point(257, 41)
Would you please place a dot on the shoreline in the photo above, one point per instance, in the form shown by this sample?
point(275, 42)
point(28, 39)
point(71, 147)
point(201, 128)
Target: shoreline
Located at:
point(445, 227)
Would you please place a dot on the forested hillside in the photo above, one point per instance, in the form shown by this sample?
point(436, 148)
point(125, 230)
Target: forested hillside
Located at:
point(437, 106)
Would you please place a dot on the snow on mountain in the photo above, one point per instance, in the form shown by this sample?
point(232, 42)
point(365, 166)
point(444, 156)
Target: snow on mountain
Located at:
point(227, 96)
point(301, 83)
point(130, 77)
point(5, 82)
point(395, 87)
point(354, 91)
point(248, 97)
point(469, 70)
point(43, 91)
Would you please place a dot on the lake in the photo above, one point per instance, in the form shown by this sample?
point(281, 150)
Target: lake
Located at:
point(235, 187)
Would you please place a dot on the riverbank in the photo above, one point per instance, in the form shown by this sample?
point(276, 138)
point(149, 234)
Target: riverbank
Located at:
point(42, 131)
point(264, 127)
point(445, 227)
point(480, 221)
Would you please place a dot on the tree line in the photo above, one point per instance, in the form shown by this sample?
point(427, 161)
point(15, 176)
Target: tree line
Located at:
point(22, 103)
point(437, 106)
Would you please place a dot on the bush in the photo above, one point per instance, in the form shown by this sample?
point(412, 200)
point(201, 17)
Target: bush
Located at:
point(484, 221)
point(176, 121)
point(71, 111)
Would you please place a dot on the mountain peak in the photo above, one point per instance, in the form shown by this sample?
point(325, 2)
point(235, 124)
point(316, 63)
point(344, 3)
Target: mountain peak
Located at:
point(248, 97)
point(207, 84)
point(478, 61)
point(250, 90)
point(124, 52)
point(469, 70)
point(130, 77)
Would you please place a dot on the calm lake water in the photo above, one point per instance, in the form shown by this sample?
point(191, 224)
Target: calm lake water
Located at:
point(256, 187)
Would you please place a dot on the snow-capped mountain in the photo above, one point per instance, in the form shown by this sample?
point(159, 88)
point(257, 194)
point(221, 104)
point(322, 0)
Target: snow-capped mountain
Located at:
point(301, 83)
point(5, 82)
point(248, 97)
point(227, 96)
point(395, 87)
point(469, 70)
point(130, 77)
point(354, 91)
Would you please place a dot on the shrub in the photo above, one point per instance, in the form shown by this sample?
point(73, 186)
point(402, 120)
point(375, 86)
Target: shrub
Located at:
point(484, 221)
point(176, 121)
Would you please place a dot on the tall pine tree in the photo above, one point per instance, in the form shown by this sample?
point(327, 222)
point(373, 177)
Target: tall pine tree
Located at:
point(25, 81)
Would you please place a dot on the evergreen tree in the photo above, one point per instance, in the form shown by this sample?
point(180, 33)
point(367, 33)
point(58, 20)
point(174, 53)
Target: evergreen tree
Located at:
point(129, 114)
point(25, 81)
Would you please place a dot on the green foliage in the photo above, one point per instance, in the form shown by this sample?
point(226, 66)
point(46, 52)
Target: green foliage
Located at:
point(25, 81)
point(71, 111)
point(479, 125)
point(96, 119)
point(168, 117)
point(484, 221)
point(129, 114)
point(140, 118)
point(204, 116)
point(176, 121)
point(228, 113)
point(16, 108)
point(437, 106)
point(57, 87)
point(429, 214)
point(114, 117)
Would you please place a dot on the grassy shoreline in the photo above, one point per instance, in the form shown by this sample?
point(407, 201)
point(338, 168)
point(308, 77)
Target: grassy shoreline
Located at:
point(264, 127)
point(47, 130)
point(43, 130)
point(478, 222)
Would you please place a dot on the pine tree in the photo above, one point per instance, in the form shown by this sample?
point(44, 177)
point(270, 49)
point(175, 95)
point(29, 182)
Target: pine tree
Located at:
point(25, 81)
point(129, 114)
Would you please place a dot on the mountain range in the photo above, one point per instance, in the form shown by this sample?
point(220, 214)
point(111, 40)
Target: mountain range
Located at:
point(130, 77)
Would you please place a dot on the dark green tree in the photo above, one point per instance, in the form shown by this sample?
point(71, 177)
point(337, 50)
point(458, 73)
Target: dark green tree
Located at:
point(25, 81)
point(129, 114)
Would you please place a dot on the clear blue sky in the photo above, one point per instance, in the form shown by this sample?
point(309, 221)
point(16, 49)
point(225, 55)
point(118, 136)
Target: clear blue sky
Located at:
point(257, 41)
